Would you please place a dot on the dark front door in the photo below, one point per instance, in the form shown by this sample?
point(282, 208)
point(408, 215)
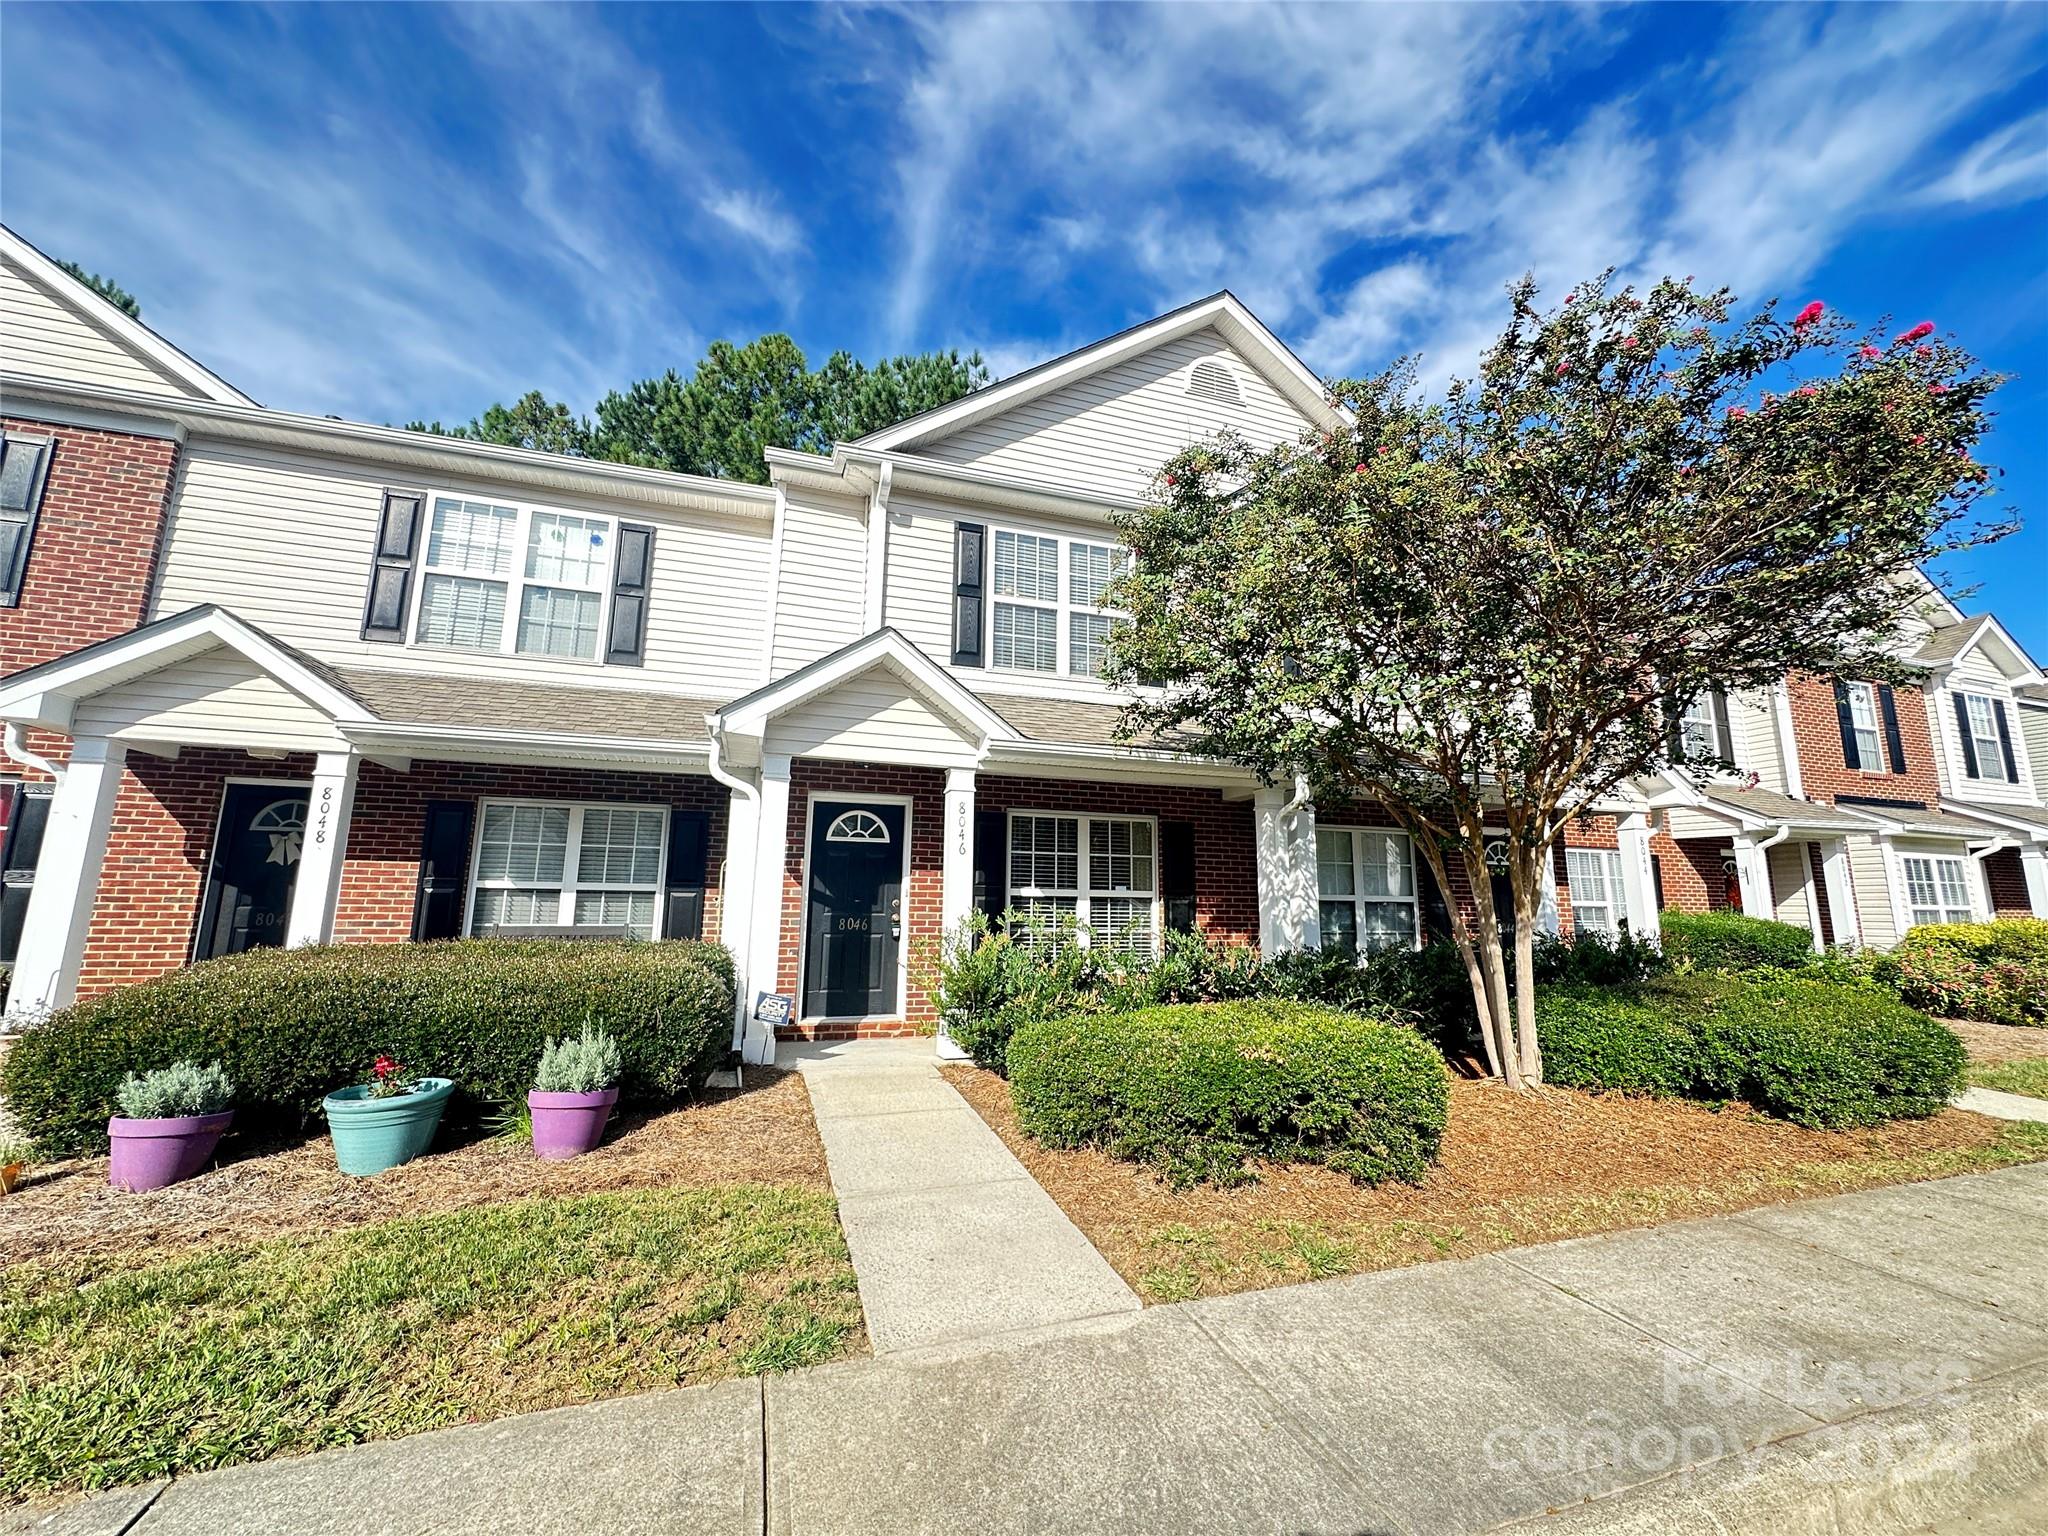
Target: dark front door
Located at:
point(854, 927)
point(255, 862)
point(27, 812)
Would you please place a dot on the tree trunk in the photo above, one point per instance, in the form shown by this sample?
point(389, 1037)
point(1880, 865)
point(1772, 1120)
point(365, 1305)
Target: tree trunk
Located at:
point(1525, 880)
point(1497, 1018)
point(1462, 936)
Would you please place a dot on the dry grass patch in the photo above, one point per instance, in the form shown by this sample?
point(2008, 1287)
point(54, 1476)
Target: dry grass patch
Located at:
point(1514, 1169)
point(763, 1134)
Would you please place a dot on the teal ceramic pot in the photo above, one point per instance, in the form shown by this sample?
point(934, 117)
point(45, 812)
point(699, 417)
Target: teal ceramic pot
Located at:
point(371, 1135)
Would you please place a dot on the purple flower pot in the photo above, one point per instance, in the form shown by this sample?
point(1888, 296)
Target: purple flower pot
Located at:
point(569, 1124)
point(149, 1154)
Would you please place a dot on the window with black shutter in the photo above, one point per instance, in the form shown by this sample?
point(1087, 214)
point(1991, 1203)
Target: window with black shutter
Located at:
point(1894, 744)
point(24, 470)
point(970, 559)
point(390, 596)
point(626, 644)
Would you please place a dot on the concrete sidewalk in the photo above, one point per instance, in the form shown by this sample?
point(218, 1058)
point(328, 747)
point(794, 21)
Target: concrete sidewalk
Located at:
point(1868, 1363)
point(951, 1239)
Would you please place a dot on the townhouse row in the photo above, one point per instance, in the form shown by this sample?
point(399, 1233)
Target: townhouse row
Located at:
point(269, 678)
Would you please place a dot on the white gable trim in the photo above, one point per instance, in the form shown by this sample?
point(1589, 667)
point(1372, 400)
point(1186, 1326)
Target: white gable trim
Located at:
point(887, 649)
point(47, 695)
point(1239, 326)
point(1998, 646)
point(128, 332)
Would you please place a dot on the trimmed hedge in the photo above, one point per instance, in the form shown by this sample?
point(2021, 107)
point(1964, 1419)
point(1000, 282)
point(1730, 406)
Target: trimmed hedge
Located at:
point(1731, 942)
point(1808, 1051)
point(1198, 1089)
point(1996, 972)
point(292, 1025)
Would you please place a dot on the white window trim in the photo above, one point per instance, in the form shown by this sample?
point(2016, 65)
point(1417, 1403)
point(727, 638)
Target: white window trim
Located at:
point(1358, 896)
point(1063, 606)
point(1707, 701)
point(1614, 905)
point(1972, 911)
point(515, 580)
point(1876, 762)
point(569, 886)
point(1990, 749)
point(1083, 892)
point(803, 934)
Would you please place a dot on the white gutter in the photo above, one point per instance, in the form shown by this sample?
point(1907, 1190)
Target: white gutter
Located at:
point(15, 743)
point(1773, 840)
point(726, 894)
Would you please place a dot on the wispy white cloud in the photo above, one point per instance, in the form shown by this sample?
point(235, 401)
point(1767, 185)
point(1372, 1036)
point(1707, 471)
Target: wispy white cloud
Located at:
point(2008, 166)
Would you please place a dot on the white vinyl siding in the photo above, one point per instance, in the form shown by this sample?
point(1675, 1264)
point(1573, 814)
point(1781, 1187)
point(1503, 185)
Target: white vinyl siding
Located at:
point(1594, 875)
point(873, 718)
point(284, 541)
point(1868, 877)
point(1979, 682)
point(1101, 871)
point(1365, 888)
point(823, 580)
point(1791, 872)
point(2030, 723)
point(41, 336)
point(1108, 435)
point(219, 697)
point(541, 863)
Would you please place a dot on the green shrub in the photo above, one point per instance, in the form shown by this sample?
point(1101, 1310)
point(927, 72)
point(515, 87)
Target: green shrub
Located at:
point(588, 1063)
point(1197, 1089)
point(1996, 972)
point(1620, 1040)
point(182, 1089)
point(1732, 942)
point(290, 1025)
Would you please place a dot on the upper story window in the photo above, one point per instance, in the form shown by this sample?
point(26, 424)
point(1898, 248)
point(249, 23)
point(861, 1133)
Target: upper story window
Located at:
point(1979, 720)
point(1863, 725)
point(513, 579)
point(1699, 728)
point(1047, 615)
point(1365, 888)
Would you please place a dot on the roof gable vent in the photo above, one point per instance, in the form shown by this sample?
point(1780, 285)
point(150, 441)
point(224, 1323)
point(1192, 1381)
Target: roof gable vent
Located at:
point(1213, 381)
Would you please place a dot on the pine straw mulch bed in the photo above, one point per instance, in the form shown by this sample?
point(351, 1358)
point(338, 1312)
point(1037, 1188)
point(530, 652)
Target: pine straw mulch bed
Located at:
point(1990, 1044)
point(761, 1134)
point(1515, 1169)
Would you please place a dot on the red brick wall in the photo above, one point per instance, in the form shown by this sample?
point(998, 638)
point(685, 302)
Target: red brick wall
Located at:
point(2007, 881)
point(1816, 871)
point(154, 876)
point(1689, 872)
point(96, 541)
point(1817, 732)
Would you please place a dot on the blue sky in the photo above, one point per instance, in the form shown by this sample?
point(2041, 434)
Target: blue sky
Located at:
point(392, 211)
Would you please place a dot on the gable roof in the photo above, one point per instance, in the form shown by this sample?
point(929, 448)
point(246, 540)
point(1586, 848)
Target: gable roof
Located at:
point(1946, 646)
point(125, 331)
point(1238, 325)
point(886, 648)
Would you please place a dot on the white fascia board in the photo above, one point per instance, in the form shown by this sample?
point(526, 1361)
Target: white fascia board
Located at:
point(123, 327)
point(417, 452)
point(2019, 826)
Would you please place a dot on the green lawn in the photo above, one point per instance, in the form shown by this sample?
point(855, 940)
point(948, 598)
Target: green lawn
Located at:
point(2028, 1077)
point(112, 1373)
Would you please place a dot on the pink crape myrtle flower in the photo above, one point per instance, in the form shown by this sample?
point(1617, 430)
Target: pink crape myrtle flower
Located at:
point(1866, 350)
point(1737, 412)
point(1924, 328)
point(1808, 315)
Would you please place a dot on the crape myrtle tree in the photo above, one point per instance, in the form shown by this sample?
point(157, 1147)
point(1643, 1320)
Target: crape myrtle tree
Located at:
point(1482, 612)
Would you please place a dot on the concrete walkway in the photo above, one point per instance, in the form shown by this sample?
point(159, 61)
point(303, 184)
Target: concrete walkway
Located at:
point(2003, 1106)
point(1876, 1362)
point(951, 1239)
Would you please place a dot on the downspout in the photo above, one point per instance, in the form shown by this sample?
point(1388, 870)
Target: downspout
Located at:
point(1774, 839)
point(16, 744)
point(748, 792)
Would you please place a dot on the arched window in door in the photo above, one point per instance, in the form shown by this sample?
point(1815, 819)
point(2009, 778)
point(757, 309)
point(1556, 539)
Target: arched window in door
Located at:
point(857, 827)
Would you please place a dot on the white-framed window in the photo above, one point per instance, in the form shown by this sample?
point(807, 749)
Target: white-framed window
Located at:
point(1699, 728)
point(542, 863)
point(1938, 890)
point(1365, 889)
point(1594, 875)
point(1101, 871)
point(519, 580)
point(1984, 737)
point(1863, 725)
point(1047, 613)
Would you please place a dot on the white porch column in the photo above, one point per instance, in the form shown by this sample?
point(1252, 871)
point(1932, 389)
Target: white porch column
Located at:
point(1841, 891)
point(1638, 883)
point(764, 924)
point(1753, 878)
point(1549, 913)
point(317, 883)
point(1289, 918)
point(1811, 890)
point(2034, 866)
point(67, 879)
point(956, 876)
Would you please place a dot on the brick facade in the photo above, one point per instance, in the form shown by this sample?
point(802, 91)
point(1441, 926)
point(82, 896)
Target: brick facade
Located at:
point(1817, 735)
point(1690, 873)
point(2006, 881)
point(96, 541)
point(154, 877)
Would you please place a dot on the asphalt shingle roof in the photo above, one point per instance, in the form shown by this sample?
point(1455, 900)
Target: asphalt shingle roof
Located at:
point(412, 698)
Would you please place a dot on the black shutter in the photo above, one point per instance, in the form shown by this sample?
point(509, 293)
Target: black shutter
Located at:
point(1724, 740)
point(627, 643)
point(398, 538)
point(1894, 747)
point(1674, 737)
point(970, 558)
point(2012, 768)
point(23, 847)
point(24, 467)
point(1848, 724)
point(991, 863)
point(1177, 874)
point(444, 870)
point(1656, 881)
point(1970, 763)
point(689, 861)
point(1436, 912)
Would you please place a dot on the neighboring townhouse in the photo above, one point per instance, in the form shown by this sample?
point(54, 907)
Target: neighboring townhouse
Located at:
point(298, 679)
